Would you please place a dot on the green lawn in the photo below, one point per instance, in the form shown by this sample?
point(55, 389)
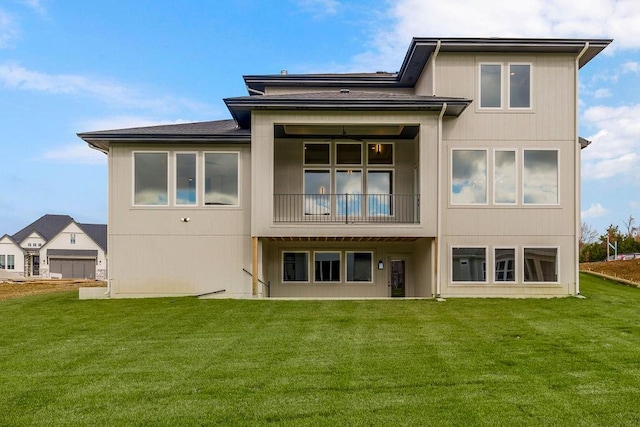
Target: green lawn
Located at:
point(184, 361)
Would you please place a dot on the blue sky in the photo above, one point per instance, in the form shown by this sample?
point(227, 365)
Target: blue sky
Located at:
point(69, 66)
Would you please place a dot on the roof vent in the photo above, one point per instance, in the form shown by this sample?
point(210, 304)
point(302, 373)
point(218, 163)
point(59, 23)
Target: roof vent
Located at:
point(344, 90)
point(284, 72)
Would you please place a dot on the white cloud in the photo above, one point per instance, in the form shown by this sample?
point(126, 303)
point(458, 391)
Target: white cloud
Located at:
point(602, 93)
point(617, 19)
point(36, 5)
point(14, 76)
point(596, 210)
point(75, 153)
point(631, 67)
point(8, 29)
point(615, 147)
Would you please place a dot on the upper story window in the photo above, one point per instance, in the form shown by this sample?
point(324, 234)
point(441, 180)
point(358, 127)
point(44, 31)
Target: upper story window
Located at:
point(151, 179)
point(317, 154)
point(540, 177)
point(72, 238)
point(197, 179)
point(517, 84)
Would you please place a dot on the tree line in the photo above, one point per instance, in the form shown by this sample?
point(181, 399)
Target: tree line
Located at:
point(593, 247)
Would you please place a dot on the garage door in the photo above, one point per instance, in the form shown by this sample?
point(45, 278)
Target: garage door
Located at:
point(74, 268)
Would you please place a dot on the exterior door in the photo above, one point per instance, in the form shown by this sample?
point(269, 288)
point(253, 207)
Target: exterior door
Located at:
point(397, 281)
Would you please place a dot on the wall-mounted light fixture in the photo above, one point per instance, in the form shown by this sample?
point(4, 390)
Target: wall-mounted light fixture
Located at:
point(185, 219)
point(380, 265)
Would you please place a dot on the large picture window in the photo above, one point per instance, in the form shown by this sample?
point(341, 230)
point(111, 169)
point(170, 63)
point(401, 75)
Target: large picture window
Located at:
point(359, 266)
point(221, 179)
point(469, 264)
point(540, 177)
point(541, 265)
point(469, 177)
point(295, 267)
point(379, 190)
point(151, 179)
point(327, 266)
point(349, 192)
point(317, 192)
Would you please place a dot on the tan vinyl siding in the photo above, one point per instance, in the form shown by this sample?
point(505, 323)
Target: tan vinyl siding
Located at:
point(154, 252)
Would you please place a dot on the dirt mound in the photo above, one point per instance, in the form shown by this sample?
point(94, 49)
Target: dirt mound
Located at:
point(34, 287)
point(627, 270)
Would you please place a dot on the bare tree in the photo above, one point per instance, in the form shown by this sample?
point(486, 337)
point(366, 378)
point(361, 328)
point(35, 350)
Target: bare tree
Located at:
point(632, 230)
point(587, 234)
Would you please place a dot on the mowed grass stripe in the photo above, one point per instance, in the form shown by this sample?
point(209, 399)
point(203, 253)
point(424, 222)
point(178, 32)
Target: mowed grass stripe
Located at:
point(184, 361)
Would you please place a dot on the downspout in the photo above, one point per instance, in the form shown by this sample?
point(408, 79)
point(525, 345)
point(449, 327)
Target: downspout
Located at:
point(438, 203)
point(577, 183)
point(433, 67)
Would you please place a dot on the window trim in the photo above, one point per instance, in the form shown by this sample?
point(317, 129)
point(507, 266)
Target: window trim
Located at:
point(558, 173)
point(501, 64)
point(487, 174)
point(516, 176)
point(175, 180)
point(282, 260)
point(530, 107)
point(339, 266)
point(133, 178)
point(486, 265)
point(328, 193)
point(524, 265)
point(203, 189)
point(346, 266)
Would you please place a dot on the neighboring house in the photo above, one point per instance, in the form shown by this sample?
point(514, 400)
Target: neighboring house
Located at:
point(458, 175)
point(57, 246)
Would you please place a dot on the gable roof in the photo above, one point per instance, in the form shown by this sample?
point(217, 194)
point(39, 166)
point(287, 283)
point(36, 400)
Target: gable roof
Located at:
point(12, 241)
point(98, 232)
point(46, 226)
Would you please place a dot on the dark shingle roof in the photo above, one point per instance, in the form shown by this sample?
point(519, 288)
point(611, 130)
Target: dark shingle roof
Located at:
point(46, 226)
point(223, 131)
point(98, 232)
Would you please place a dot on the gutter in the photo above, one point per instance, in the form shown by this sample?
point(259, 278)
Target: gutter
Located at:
point(577, 156)
point(436, 264)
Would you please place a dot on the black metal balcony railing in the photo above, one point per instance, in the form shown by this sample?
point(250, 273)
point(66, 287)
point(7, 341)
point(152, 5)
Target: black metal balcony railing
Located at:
point(347, 208)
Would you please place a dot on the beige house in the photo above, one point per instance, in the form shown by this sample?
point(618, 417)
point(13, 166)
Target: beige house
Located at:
point(459, 175)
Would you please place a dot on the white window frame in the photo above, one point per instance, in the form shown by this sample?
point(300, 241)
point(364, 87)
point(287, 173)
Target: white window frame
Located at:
point(558, 183)
point(328, 192)
point(485, 263)
point(11, 262)
point(391, 195)
point(339, 266)
point(133, 179)
point(346, 265)
point(515, 266)
point(3, 262)
point(309, 270)
point(508, 83)
point(72, 238)
point(487, 175)
point(516, 177)
point(501, 64)
point(203, 180)
point(197, 178)
point(524, 266)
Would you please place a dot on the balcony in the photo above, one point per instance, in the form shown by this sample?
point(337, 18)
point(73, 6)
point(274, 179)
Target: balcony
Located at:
point(347, 208)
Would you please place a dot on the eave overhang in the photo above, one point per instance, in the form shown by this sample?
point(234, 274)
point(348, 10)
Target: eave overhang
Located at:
point(419, 52)
point(241, 107)
point(215, 132)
